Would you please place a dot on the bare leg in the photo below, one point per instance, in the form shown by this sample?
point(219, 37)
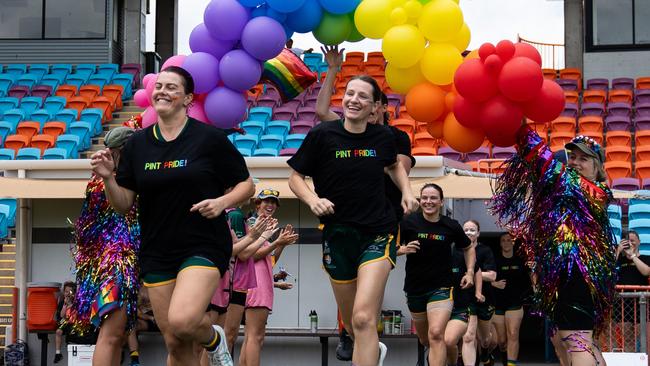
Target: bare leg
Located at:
point(499, 322)
point(453, 333)
point(110, 340)
point(255, 328)
point(560, 351)
point(469, 342)
point(233, 320)
point(513, 324)
point(580, 346)
point(437, 319)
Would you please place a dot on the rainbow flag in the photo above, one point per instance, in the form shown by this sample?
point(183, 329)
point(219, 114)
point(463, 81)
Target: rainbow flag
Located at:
point(289, 74)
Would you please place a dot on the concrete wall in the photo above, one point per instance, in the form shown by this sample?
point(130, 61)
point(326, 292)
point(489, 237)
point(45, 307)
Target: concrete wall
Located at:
point(616, 64)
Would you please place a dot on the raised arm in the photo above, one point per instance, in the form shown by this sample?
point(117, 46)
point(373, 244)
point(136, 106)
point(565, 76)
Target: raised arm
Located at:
point(334, 59)
point(119, 197)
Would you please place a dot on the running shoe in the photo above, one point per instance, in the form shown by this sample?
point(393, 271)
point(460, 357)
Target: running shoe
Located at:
point(382, 354)
point(220, 356)
point(344, 348)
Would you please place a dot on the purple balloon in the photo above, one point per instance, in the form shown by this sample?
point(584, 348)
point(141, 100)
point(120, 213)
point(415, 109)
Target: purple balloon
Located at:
point(239, 70)
point(202, 41)
point(224, 107)
point(225, 19)
point(263, 38)
point(204, 69)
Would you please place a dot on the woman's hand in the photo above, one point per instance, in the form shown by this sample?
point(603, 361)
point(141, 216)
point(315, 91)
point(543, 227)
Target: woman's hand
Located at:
point(102, 163)
point(260, 227)
point(271, 228)
point(333, 56)
point(209, 208)
point(479, 297)
point(501, 284)
point(409, 203)
point(322, 207)
point(410, 248)
point(287, 236)
point(467, 281)
point(283, 285)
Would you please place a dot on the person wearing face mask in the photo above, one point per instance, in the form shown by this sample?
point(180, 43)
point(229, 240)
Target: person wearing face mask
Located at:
point(428, 241)
point(346, 159)
point(185, 174)
point(380, 116)
point(510, 288)
point(480, 312)
point(559, 213)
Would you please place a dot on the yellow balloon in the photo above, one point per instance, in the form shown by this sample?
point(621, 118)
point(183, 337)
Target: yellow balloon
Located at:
point(403, 45)
point(372, 18)
point(402, 80)
point(398, 16)
point(396, 3)
point(462, 38)
point(413, 8)
point(441, 20)
point(439, 63)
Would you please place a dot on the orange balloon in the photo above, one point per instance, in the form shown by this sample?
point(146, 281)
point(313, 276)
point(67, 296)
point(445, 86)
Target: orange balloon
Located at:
point(425, 102)
point(459, 137)
point(449, 101)
point(435, 128)
point(472, 54)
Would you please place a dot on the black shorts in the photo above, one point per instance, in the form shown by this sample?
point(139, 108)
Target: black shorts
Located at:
point(575, 306)
point(238, 298)
point(165, 268)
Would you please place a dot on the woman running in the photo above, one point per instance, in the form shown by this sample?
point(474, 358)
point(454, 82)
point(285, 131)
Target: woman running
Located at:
point(180, 169)
point(428, 282)
point(346, 159)
point(559, 212)
point(510, 288)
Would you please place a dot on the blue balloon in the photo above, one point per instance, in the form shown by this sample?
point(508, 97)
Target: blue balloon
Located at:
point(260, 11)
point(288, 31)
point(285, 6)
point(274, 14)
point(340, 6)
point(251, 3)
point(307, 18)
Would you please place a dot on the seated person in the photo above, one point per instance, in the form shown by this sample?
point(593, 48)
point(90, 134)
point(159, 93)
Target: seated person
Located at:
point(65, 301)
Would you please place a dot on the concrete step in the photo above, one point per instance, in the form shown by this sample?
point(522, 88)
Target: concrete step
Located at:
point(7, 281)
point(8, 264)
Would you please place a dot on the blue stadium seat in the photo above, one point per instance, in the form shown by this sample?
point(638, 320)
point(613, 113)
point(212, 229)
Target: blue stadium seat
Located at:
point(312, 57)
point(41, 116)
point(231, 138)
point(28, 80)
point(94, 117)
point(75, 80)
point(6, 129)
point(640, 193)
point(108, 69)
point(28, 153)
point(58, 77)
point(4, 214)
point(244, 152)
point(66, 115)
point(246, 142)
point(265, 152)
point(99, 79)
point(40, 69)
point(14, 116)
point(12, 203)
point(51, 82)
point(126, 80)
point(91, 67)
point(30, 104)
point(274, 142)
point(641, 226)
point(54, 104)
point(16, 69)
point(278, 127)
point(61, 69)
point(617, 228)
point(294, 141)
point(55, 153)
point(6, 154)
point(614, 212)
point(83, 130)
point(70, 143)
point(262, 114)
point(255, 128)
point(7, 103)
point(639, 211)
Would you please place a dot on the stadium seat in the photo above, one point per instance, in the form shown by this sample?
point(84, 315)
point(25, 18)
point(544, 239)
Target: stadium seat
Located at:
point(285, 112)
point(641, 153)
point(14, 116)
point(618, 169)
point(355, 57)
point(89, 91)
point(7, 154)
point(70, 143)
point(561, 138)
point(423, 139)
point(590, 124)
point(618, 123)
point(41, 69)
point(28, 80)
point(642, 138)
point(6, 82)
point(262, 114)
point(245, 152)
point(109, 69)
point(41, 116)
point(619, 109)
point(642, 169)
point(16, 69)
point(18, 91)
point(617, 229)
point(593, 109)
point(12, 204)
point(28, 129)
point(293, 141)
point(55, 128)
point(8, 103)
point(42, 91)
point(126, 81)
point(447, 152)
point(67, 116)
point(91, 67)
point(643, 82)
point(375, 58)
point(248, 141)
point(54, 153)
point(4, 213)
point(570, 110)
point(550, 74)
point(618, 153)
point(16, 142)
point(620, 138)
point(54, 104)
point(638, 211)
point(288, 152)
point(620, 96)
point(643, 109)
point(51, 81)
point(571, 96)
point(77, 80)
point(43, 142)
point(28, 153)
point(614, 211)
point(84, 131)
point(254, 128)
point(594, 96)
point(271, 141)
point(424, 151)
point(133, 69)
point(30, 104)
point(642, 96)
point(62, 69)
point(301, 127)
point(66, 91)
point(623, 83)
point(6, 129)
point(99, 80)
point(266, 152)
point(598, 84)
point(105, 105)
point(405, 125)
point(114, 93)
point(278, 127)
point(312, 57)
point(483, 152)
point(568, 84)
point(94, 116)
point(503, 152)
point(563, 124)
point(78, 104)
point(641, 226)
point(645, 184)
point(626, 184)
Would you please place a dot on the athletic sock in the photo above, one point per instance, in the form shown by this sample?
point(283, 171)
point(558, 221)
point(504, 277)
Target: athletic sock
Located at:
point(135, 356)
point(58, 351)
point(212, 345)
point(485, 355)
point(513, 363)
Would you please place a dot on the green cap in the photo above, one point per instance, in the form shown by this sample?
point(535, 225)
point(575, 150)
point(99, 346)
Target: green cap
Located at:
point(116, 137)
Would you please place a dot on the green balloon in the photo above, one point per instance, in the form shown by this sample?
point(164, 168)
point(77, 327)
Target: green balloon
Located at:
point(354, 36)
point(333, 29)
point(423, 2)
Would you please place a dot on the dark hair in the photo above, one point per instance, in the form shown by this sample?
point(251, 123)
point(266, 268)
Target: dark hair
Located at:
point(502, 234)
point(188, 81)
point(384, 101)
point(376, 90)
point(478, 226)
point(434, 186)
point(70, 284)
point(633, 232)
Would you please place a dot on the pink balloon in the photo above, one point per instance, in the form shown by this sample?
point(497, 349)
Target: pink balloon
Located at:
point(147, 78)
point(149, 117)
point(150, 87)
point(176, 60)
point(142, 99)
point(196, 111)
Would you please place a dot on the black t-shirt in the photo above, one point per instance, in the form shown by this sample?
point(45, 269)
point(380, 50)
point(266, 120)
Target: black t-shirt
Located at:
point(347, 169)
point(515, 272)
point(629, 274)
point(485, 261)
point(430, 267)
point(462, 298)
point(403, 144)
point(171, 176)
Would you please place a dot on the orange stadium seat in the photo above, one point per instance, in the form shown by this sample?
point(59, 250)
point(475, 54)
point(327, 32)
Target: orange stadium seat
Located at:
point(28, 128)
point(620, 95)
point(596, 135)
point(561, 138)
point(54, 128)
point(563, 124)
point(537, 126)
point(618, 169)
point(618, 153)
point(590, 124)
point(78, 103)
point(423, 139)
point(642, 169)
point(43, 142)
point(114, 92)
point(424, 150)
point(354, 57)
point(643, 82)
point(642, 138)
point(618, 138)
point(571, 96)
point(376, 58)
point(550, 73)
point(641, 153)
point(66, 91)
point(594, 96)
point(104, 104)
point(404, 124)
point(421, 127)
point(89, 91)
point(16, 142)
point(371, 69)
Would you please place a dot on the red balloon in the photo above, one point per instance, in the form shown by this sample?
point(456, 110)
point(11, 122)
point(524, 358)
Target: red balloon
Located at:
point(547, 105)
point(505, 50)
point(486, 50)
point(467, 113)
point(528, 51)
point(520, 79)
point(473, 81)
point(501, 120)
point(493, 64)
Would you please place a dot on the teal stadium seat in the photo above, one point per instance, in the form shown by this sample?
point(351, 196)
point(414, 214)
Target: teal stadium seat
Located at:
point(12, 203)
point(70, 143)
point(294, 141)
point(246, 141)
point(28, 153)
point(255, 128)
point(6, 154)
point(265, 152)
point(4, 228)
point(55, 153)
point(274, 142)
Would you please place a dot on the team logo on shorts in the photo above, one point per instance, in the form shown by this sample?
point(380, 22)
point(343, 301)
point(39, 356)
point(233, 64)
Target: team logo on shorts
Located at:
point(327, 259)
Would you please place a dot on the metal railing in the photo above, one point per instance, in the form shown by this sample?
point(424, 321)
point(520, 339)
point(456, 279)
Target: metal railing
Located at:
point(628, 327)
point(552, 53)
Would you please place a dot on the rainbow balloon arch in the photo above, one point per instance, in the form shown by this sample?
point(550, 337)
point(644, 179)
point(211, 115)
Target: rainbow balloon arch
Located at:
point(462, 100)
